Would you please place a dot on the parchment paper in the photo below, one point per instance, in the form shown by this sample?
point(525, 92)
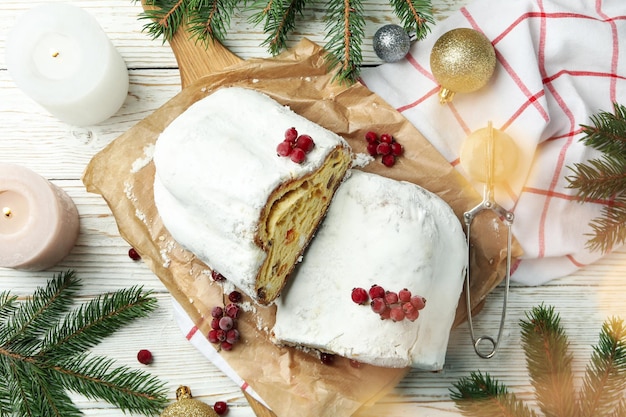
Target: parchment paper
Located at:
point(291, 382)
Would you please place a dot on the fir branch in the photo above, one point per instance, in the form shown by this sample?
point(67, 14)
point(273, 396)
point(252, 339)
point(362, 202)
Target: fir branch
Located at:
point(40, 312)
point(604, 178)
point(7, 305)
point(344, 26)
point(43, 352)
point(599, 178)
point(95, 377)
point(279, 20)
point(89, 324)
point(609, 229)
point(415, 16)
point(608, 132)
point(603, 386)
point(210, 19)
point(480, 395)
point(548, 361)
point(545, 345)
point(164, 17)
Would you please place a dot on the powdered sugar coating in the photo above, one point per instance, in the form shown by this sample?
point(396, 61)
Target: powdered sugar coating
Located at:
point(386, 232)
point(216, 165)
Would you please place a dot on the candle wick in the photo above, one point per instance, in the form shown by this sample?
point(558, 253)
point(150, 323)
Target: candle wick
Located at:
point(7, 212)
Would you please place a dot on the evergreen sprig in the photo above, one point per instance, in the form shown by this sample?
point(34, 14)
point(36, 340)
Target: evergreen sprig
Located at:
point(603, 179)
point(44, 344)
point(207, 20)
point(549, 364)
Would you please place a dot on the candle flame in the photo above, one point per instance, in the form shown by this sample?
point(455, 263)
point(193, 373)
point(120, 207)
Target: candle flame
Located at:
point(7, 212)
point(54, 53)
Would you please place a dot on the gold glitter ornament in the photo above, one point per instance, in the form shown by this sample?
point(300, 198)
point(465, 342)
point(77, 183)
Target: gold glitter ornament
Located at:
point(186, 406)
point(462, 60)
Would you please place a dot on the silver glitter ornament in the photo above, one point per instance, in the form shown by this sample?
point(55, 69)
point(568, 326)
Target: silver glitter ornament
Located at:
point(391, 43)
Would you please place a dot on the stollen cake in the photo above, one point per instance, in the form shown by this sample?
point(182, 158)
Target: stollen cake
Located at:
point(378, 232)
point(225, 194)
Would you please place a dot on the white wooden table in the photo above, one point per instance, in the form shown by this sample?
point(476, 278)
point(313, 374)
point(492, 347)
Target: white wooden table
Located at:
point(60, 152)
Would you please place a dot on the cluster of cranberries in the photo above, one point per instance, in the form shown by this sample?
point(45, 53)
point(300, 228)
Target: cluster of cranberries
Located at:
point(295, 146)
point(385, 146)
point(396, 306)
point(224, 322)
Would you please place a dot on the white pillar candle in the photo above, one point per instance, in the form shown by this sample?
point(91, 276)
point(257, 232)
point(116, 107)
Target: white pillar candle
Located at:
point(38, 221)
point(60, 57)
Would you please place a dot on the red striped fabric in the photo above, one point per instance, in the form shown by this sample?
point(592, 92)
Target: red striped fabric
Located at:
point(559, 62)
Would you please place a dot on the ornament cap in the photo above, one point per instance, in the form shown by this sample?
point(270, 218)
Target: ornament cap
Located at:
point(183, 392)
point(445, 95)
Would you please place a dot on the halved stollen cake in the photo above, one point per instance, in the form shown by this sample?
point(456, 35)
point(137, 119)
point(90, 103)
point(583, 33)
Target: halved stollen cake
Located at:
point(385, 235)
point(225, 194)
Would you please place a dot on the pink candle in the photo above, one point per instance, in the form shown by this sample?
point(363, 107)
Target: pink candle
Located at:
point(38, 220)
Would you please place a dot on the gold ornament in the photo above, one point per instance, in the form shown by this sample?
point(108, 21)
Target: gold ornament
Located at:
point(462, 60)
point(186, 406)
point(489, 148)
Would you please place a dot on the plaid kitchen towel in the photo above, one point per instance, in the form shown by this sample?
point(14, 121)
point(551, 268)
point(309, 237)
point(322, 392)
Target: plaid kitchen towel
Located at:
point(558, 63)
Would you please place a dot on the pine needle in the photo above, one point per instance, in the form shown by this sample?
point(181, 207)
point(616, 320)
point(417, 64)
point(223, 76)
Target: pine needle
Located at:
point(344, 28)
point(603, 386)
point(43, 352)
point(479, 395)
point(603, 179)
point(549, 361)
point(416, 16)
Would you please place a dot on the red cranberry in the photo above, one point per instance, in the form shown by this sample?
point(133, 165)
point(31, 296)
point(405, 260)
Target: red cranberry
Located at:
point(391, 297)
point(376, 291)
point(232, 310)
point(284, 149)
point(213, 336)
point(327, 358)
point(412, 315)
point(371, 137)
point(386, 138)
point(232, 336)
point(305, 142)
point(290, 135)
point(217, 311)
point(386, 314)
point(226, 323)
point(226, 346)
point(418, 302)
point(396, 149)
point(388, 160)
point(133, 254)
point(404, 295)
point(383, 148)
point(234, 297)
point(220, 407)
point(297, 155)
point(359, 295)
point(216, 276)
point(215, 322)
point(378, 305)
point(220, 335)
point(371, 149)
point(396, 313)
point(144, 356)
